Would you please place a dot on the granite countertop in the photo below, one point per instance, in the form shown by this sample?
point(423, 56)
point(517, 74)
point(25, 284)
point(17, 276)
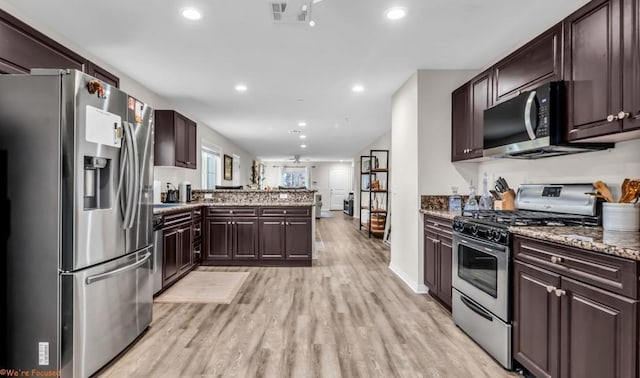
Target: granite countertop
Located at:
point(445, 214)
point(194, 205)
point(618, 243)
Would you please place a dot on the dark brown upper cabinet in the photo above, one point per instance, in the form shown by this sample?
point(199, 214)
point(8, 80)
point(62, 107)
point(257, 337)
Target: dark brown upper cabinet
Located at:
point(593, 70)
point(175, 140)
point(631, 47)
point(23, 48)
point(536, 63)
point(460, 105)
point(467, 117)
point(102, 74)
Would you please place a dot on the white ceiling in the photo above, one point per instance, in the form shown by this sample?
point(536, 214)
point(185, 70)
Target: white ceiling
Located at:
point(197, 64)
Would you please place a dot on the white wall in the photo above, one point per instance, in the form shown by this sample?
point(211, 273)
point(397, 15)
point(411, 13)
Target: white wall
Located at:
point(611, 166)
point(436, 174)
point(132, 87)
point(382, 143)
point(319, 173)
point(404, 189)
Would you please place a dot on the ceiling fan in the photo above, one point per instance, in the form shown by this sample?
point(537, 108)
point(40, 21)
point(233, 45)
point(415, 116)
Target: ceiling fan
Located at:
point(295, 159)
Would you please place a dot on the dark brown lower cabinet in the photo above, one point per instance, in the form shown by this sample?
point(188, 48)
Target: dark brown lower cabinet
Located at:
point(244, 233)
point(272, 239)
point(570, 327)
point(536, 311)
point(170, 268)
point(178, 252)
point(218, 242)
point(438, 258)
point(279, 236)
point(298, 239)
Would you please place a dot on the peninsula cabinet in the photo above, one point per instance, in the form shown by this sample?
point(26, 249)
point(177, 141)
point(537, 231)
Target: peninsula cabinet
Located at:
point(575, 311)
point(467, 114)
point(258, 236)
point(175, 140)
point(231, 234)
point(437, 258)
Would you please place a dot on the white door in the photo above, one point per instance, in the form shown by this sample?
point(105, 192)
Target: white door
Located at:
point(338, 187)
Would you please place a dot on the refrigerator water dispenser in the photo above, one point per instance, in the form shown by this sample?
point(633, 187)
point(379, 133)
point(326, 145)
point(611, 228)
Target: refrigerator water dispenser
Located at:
point(97, 176)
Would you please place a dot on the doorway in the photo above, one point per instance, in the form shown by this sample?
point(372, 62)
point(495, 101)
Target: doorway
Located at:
point(338, 187)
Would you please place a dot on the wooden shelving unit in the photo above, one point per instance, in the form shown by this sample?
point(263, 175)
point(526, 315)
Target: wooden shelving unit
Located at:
point(374, 197)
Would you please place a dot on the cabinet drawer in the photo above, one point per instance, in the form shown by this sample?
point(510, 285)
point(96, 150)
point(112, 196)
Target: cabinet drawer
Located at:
point(232, 211)
point(177, 218)
point(299, 211)
point(611, 273)
point(197, 230)
point(439, 225)
point(197, 212)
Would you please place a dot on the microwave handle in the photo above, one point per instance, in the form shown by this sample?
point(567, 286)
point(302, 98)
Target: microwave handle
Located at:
point(527, 115)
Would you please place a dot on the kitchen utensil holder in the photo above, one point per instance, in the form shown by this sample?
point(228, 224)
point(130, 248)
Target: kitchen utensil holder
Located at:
point(508, 201)
point(620, 216)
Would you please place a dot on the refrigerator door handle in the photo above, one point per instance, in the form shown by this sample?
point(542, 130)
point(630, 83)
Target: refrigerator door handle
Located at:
point(136, 177)
point(104, 276)
point(129, 166)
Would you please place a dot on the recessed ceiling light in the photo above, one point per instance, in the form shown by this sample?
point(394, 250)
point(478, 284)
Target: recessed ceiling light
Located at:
point(241, 88)
point(302, 124)
point(358, 88)
point(303, 136)
point(312, 23)
point(395, 13)
point(303, 146)
point(191, 14)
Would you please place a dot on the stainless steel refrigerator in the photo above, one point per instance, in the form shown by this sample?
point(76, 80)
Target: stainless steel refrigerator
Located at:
point(79, 158)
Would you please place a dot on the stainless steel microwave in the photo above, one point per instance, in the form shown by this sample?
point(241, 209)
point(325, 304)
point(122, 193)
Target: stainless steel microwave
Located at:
point(531, 126)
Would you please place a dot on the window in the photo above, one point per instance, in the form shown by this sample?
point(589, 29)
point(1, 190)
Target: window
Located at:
point(293, 177)
point(210, 168)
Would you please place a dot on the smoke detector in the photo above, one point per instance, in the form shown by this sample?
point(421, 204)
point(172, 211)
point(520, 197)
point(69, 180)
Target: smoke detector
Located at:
point(291, 11)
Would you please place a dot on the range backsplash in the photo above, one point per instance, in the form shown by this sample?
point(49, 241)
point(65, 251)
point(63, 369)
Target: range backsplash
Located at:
point(439, 202)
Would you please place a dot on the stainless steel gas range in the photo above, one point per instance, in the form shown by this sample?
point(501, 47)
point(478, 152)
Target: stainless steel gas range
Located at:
point(481, 266)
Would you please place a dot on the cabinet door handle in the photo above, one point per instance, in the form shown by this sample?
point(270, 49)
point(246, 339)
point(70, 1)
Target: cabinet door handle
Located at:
point(623, 115)
point(228, 222)
point(556, 259)
point(611, 118)
point(550, 288)
point(560, 292)
point(284, 212)
point(230, 211)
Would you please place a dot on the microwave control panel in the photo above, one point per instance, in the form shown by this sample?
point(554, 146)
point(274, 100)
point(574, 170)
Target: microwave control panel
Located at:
point(543, 117)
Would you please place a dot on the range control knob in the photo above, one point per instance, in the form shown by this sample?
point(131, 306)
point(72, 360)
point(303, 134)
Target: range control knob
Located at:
point(495, 235)
point(504, 236)
point(474, 230)
point(458, 226)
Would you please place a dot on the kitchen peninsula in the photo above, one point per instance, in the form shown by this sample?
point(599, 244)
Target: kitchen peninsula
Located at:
point(239, 228)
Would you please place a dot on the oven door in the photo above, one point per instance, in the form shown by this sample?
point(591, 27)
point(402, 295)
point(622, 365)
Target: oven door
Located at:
point(480, 270)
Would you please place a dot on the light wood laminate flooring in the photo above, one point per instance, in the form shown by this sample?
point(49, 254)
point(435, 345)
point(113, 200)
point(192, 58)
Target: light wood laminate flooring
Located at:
point(347, 316)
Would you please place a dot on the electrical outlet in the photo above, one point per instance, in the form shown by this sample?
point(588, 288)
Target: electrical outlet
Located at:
point(284, 196)
point(208, 195)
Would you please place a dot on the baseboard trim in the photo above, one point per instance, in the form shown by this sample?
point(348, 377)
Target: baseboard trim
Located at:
point(417, 288)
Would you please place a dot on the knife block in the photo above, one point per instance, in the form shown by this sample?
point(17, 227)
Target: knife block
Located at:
point(508, 201)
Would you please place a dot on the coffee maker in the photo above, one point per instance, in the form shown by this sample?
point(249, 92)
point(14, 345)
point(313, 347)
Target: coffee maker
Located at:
point(185, 191)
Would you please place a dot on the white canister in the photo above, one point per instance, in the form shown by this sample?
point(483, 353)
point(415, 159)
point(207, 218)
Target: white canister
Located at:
point(621, 216)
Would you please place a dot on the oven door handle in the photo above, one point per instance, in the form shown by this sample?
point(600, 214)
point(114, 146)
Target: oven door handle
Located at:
point(477, 309)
